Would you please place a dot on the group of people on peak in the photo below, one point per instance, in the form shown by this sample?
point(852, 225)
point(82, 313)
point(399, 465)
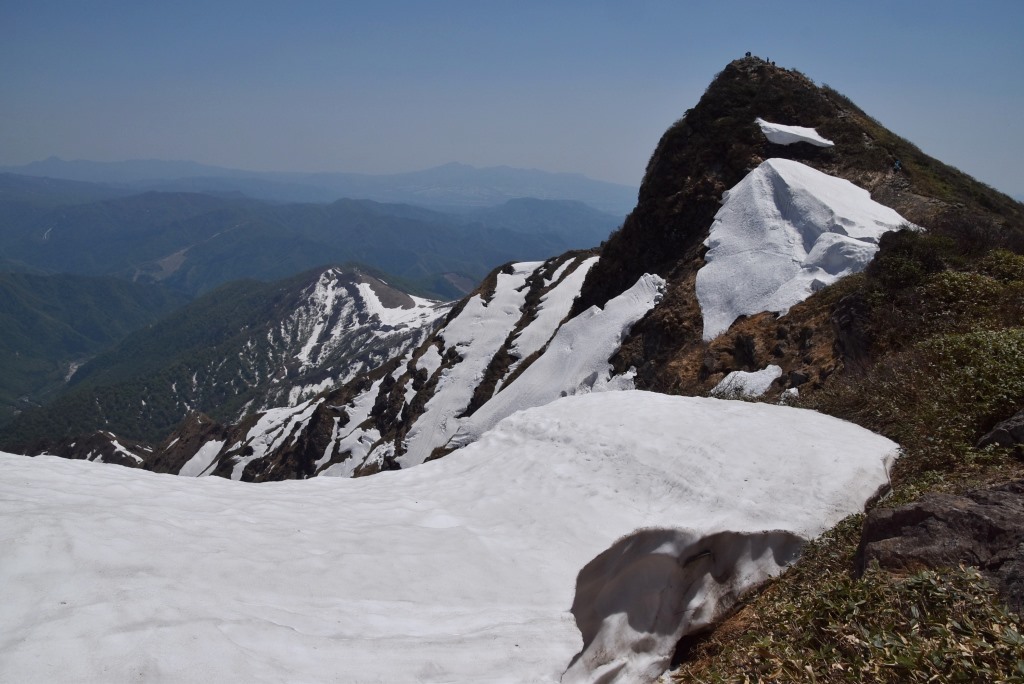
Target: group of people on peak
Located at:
point(765, 60)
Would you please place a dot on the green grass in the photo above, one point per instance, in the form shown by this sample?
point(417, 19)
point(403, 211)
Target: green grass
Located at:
point(948, 347)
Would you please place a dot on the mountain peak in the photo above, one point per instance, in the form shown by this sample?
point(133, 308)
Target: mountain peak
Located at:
point(718, 142)
point(454, 165)
point(705, 155)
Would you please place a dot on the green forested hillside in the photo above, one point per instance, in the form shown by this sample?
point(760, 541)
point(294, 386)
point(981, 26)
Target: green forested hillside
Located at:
point(232, 346)
point(155, 356)
point(52, 322)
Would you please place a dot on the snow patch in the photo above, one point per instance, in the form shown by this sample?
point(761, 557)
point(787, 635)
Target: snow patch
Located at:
point(575, 362)
point(300, 392)
point(351, 437)
point(552, 310)
point(198, 464)
point(420, 313)
point(72, 369)
point(270, 432)
point(553, 278)
point(118, 448)
point(784, 232)
point(479, 330)
point(747, 384)
point(683, 574)
point(430, 360)
point(319, 304)
point(781, 134)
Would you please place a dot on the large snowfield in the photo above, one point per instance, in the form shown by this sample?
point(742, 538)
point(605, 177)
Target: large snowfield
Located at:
point(648, 512)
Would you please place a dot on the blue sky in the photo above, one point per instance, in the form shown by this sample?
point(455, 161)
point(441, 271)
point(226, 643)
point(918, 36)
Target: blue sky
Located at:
point(562, 86)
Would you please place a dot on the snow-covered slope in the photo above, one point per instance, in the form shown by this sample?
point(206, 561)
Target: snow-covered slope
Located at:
point(575, 361)
point(503, 355)
point(475, 335)
point(298, 339)
point(652, 512)
point(342, 324)
point(784, 232)
point(502, 349)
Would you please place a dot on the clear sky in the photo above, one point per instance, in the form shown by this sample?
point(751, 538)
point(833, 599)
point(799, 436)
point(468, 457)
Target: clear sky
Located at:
point(563, 86)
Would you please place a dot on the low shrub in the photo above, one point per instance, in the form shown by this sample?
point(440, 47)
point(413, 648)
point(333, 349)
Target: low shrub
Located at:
point(936, 398)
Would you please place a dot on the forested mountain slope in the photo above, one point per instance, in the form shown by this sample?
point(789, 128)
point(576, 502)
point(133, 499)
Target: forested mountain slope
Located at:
point(53, 324)
point(244, 347)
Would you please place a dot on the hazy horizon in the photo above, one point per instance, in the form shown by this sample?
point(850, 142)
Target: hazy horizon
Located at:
point(561, 87)
point(270, 170)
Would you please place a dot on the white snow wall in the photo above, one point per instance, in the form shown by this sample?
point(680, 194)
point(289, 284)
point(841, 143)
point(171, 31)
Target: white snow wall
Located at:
point(784, 232)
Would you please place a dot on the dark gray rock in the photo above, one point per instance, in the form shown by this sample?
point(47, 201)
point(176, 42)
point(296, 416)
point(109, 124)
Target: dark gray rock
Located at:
point(797, 378)
point(982, 528)
point(1009, 433)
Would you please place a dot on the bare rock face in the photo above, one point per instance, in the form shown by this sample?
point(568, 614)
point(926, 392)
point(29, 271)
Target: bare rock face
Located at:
point(982, 528)
point(1009, 433)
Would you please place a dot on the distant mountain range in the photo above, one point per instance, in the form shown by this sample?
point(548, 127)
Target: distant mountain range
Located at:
point(87, 263)
point(448, 186)
point(195, 242)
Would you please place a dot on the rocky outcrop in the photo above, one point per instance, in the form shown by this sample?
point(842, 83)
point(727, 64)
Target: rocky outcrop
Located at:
point(982, 528)
point(1009, 433)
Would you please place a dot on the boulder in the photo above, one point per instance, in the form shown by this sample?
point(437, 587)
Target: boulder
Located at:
point(1009, 433)
point(982, 528)
point(797, 378)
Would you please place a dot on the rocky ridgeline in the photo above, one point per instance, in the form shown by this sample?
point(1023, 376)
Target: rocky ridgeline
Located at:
point(327, 327)
point(407, 410)
point(427, 400)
